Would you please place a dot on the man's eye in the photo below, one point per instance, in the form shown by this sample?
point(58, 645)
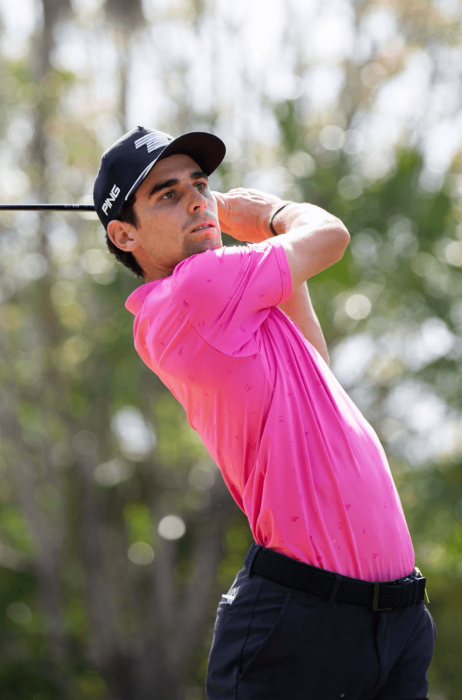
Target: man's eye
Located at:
point(202, 186)
point(168, 195)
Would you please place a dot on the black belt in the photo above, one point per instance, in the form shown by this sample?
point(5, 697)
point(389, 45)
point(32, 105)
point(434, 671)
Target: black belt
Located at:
point(380, 596)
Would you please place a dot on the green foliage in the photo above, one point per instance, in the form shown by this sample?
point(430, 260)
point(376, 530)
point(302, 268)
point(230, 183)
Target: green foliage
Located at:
point(237, 541)
point(14, 530)
point(79, 610)
point(138, 522)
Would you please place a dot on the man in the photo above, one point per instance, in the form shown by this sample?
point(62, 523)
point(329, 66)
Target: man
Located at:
point(232, 333)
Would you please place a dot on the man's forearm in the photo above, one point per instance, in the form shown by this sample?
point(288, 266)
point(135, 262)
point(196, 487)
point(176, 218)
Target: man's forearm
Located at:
point(300, 309)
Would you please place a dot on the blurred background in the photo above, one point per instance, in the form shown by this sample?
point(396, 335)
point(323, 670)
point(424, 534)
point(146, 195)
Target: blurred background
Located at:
point(117, 535)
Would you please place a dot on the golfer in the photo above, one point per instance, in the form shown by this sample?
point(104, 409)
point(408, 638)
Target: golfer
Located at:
point(328, 604)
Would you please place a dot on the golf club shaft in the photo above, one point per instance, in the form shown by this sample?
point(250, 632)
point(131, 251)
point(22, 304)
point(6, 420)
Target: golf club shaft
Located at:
point(47, 207)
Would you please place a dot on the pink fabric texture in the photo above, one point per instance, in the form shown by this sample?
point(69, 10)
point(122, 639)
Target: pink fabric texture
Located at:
point(297, 455)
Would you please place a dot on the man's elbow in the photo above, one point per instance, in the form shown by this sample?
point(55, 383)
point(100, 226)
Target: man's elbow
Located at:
point(340, 239)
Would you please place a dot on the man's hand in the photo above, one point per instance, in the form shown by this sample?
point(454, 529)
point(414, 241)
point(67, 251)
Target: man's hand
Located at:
point(245, 214)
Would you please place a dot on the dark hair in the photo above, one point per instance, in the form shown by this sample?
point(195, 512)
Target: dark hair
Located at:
point(127, 214)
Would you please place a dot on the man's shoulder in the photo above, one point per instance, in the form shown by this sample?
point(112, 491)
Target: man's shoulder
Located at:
point(148, 292)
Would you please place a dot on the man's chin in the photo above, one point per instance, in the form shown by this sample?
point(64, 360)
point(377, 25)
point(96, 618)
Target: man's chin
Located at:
point(202, 246)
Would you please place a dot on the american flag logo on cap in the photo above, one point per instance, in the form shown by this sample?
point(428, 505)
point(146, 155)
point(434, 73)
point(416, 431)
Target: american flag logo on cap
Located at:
point(154, 141)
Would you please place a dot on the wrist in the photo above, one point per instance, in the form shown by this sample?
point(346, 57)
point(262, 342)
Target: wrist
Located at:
point(274, 215)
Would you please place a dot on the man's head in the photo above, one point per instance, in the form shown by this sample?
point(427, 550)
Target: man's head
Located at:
point(151, 194)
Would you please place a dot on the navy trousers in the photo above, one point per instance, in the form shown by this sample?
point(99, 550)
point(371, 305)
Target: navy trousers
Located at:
point(272, 642)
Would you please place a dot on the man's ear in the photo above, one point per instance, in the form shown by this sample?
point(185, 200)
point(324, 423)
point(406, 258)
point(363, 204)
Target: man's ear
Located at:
point(123, 235)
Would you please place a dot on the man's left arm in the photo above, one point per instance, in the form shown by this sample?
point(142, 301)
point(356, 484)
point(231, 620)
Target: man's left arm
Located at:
point(300, 309)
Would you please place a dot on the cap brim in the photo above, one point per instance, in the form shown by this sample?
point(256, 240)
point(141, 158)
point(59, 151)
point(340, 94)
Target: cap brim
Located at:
point(206, 149)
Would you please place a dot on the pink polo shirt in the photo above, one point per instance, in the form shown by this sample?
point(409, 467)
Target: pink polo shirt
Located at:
point(296, 453)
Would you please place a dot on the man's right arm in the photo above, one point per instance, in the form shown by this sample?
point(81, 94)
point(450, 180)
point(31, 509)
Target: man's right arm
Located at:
point(312, 238)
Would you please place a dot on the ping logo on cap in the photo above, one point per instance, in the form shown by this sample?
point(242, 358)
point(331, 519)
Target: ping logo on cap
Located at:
point(154, 141)
point(113, 194)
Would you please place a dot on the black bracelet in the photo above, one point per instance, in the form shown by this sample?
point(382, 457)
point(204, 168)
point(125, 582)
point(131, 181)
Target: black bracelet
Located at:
point(275, 213)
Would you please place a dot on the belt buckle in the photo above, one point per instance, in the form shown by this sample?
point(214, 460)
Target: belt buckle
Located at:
point(375, 604)
point(420, 575)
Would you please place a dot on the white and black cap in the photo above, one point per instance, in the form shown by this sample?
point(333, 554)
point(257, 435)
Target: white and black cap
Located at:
point(128, 161)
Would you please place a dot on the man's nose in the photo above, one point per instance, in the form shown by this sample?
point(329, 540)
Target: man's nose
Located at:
point(197, 200)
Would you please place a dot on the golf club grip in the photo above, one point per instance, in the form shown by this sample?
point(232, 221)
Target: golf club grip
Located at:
point(47, 207)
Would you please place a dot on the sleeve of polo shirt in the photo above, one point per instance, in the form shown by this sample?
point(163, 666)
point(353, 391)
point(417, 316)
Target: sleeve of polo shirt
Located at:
point(226, 294)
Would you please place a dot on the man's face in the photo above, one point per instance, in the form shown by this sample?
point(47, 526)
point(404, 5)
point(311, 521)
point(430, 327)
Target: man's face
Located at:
point(177, 216)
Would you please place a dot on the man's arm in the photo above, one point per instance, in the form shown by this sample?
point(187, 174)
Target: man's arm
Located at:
point(312, 238)
point(300, 309)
